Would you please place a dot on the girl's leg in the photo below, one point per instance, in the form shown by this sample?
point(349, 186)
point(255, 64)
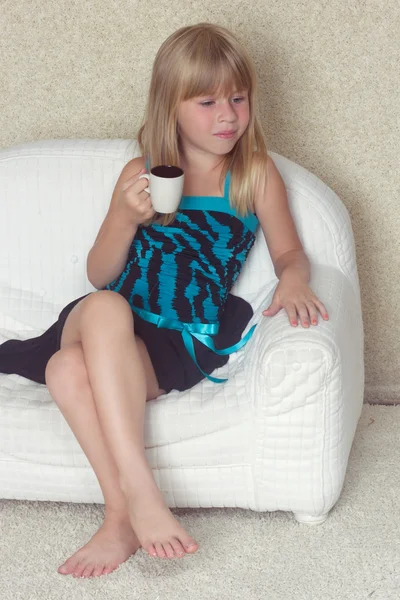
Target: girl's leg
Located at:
point(68, 383)
point(103, 324)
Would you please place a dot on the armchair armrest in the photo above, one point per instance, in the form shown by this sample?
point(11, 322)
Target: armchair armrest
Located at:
point(341, 336)
point(306, 386)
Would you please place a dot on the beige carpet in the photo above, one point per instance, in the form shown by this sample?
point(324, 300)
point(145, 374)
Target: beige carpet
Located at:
point(354, 555)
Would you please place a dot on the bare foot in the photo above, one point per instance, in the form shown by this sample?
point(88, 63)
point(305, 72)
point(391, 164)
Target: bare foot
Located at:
point(160, 534)
point(110, 546)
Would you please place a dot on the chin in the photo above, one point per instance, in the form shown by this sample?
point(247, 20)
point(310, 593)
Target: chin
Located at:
point(225, 146)
point(228, 149)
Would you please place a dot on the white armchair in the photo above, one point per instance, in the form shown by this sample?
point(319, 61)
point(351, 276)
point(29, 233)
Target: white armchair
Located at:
point(276, 436)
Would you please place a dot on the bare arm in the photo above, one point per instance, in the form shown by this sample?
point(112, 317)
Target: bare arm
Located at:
point(292, 266)
point(130, 205)
point(279, 230)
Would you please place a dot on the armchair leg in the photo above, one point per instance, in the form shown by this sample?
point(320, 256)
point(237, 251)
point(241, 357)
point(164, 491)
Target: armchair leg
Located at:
point(311, 519)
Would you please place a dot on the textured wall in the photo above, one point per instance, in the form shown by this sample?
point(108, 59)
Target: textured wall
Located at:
point(329, 74)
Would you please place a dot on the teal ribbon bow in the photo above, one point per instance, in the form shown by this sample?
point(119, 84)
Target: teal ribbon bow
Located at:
point(200, 331)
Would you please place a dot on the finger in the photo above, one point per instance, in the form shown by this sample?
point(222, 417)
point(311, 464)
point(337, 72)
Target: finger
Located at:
point(139, 187)
point(273, 308)
point(321, 309)
point(147, 207)
point(128, 182)
point(144, 206)
point(150, 210)
point(319, 305)
point(313, 313)
point(303, 312)
point(292, 314)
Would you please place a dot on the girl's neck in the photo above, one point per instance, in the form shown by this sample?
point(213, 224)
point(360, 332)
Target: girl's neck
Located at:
point(201, 164)
point(202, 174)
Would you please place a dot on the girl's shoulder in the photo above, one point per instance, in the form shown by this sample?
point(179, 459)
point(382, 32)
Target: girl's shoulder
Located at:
point(261, 158)
point(264, 166)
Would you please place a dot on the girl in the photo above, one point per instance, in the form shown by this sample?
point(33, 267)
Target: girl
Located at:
point(106, 356)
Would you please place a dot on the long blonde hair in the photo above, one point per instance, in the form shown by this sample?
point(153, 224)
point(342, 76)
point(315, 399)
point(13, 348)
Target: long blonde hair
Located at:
point(195, 61)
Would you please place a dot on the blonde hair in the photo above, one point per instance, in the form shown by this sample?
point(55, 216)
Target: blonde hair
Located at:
point(195, 61)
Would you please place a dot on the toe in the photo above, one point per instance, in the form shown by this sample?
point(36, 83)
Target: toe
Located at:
point(63, 569)
point(109, 569)
point(97, 571)
point(177, 546)
point(79, 569)
point(168, 549)
point(152, 551)
point(68, 567)
point(160, 550)
point(88, 570)
point(190, 545)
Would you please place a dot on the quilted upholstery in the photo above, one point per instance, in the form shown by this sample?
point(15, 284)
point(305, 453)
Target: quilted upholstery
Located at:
point(276, 436)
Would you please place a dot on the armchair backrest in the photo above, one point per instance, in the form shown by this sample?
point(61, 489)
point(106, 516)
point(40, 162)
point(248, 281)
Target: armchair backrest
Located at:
point(323, 225)
point(54, 195)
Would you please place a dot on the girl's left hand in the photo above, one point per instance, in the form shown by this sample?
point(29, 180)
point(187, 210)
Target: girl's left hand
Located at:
point(298, 299)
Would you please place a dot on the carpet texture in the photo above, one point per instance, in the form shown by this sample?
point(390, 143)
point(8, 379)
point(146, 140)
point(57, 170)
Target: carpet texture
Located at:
point(354, 555)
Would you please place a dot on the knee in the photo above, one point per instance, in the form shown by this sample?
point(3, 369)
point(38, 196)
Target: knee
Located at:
point(66, 368)
point(102, 303)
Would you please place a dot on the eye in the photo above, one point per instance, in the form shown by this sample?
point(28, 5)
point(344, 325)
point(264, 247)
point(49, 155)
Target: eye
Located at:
point(238, 99)
point(207, 103)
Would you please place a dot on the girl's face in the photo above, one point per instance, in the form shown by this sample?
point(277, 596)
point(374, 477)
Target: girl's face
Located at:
point(213, 124)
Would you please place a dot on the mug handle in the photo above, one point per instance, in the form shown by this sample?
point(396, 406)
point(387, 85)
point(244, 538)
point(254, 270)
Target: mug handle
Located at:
point(148, 179)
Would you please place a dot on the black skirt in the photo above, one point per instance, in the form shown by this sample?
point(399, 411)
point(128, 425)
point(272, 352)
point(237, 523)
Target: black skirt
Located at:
point(173, 365)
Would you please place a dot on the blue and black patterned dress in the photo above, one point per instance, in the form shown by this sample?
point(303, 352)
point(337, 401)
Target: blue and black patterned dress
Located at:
point(177, 281)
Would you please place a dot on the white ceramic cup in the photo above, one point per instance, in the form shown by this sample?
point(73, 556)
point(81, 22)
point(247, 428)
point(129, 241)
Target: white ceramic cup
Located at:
point(165, 189)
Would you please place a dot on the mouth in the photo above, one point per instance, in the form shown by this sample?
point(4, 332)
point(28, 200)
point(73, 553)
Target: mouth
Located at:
point(225, 135)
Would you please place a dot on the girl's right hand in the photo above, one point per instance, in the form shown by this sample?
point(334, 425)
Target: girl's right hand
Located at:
point(135, 200)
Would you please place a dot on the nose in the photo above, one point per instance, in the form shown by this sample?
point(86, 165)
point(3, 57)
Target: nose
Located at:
point(227, 112)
